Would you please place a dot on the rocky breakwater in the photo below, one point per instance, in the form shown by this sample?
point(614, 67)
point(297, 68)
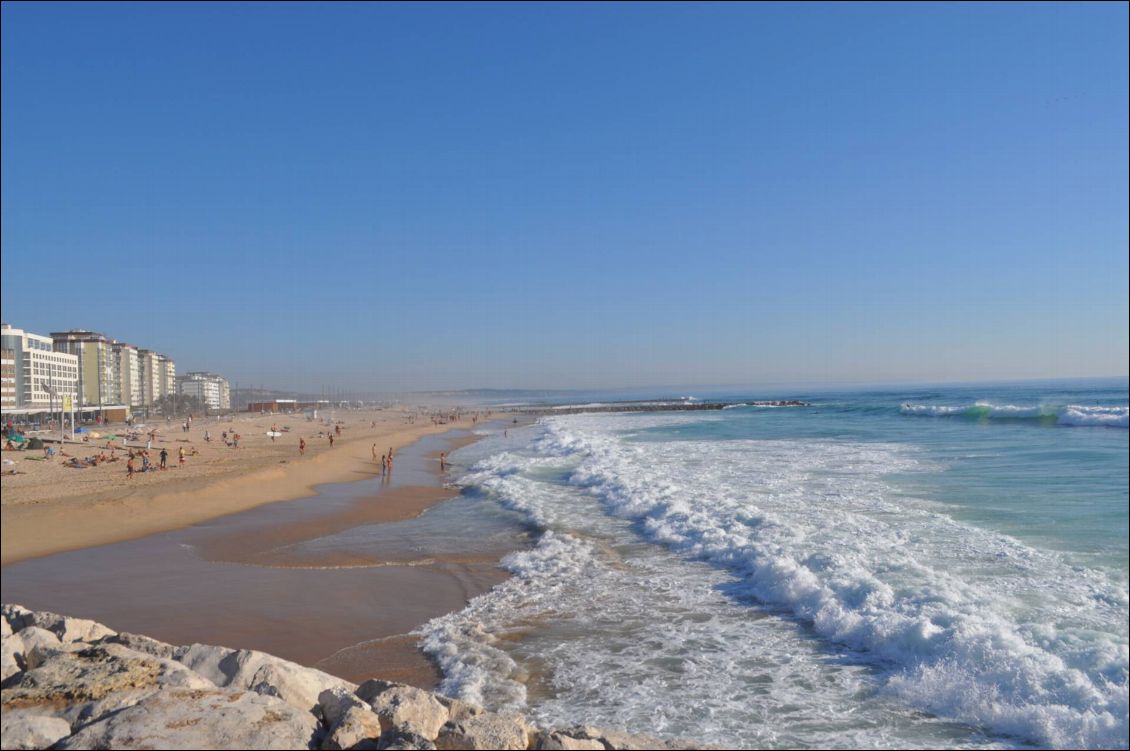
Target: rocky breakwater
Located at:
point(70, 683)
point(541, 411)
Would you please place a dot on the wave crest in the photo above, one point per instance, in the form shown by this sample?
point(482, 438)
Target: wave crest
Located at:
point(1071, 415)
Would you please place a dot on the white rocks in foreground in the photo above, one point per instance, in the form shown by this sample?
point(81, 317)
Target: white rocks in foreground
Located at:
point(71, 683)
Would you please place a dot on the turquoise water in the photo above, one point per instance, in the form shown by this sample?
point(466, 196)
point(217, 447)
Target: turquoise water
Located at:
point(916, 567)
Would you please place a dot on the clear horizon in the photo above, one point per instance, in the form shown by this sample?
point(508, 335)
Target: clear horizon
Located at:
point(383, 198)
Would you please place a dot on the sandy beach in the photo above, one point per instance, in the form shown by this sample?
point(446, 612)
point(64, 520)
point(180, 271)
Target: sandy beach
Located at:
point(51, 507)
point(355, 556)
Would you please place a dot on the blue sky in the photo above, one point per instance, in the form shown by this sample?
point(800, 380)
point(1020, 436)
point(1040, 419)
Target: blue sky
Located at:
point(384, 197)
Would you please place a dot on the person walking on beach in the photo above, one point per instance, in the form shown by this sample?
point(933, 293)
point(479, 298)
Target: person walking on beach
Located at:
point(164, 458)
point(442, 461)
point(129, 468)
point(301, 446)
point(374, 450)
point(331, 440)
point(181, 452)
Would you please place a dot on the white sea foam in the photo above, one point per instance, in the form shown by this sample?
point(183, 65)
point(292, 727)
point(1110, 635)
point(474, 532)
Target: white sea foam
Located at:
point(955, 621)
point(1069, 415)
point(1114, 417)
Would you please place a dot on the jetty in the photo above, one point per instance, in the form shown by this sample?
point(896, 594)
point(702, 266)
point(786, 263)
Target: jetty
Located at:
point(649, 406)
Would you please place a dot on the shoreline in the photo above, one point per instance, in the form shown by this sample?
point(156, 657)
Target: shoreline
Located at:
point(113, 511)
point(358, 557)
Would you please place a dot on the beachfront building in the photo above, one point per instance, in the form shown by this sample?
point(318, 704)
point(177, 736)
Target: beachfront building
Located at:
point(7, 379)
point(168, 370)
point(128, 367)
point(39, 369)
point(98, 383)
point(209, 388)
point(151, 376)
point(158, 376)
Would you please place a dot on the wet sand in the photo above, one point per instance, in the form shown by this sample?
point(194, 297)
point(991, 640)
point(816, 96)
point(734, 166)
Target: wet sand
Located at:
point(49, 507)
point(334, 581)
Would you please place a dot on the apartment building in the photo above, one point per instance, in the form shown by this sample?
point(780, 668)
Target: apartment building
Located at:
point(168, 370)
point(128, 367)
point(38, 369)
point(7, 379)
point(98, 381)
point(211, 389)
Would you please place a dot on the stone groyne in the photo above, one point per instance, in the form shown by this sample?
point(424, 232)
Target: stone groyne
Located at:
point(541, 411)
point(70, 683)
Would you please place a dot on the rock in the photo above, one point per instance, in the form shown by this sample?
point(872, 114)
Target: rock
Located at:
point(65, 628)
point(34, 636)
point(248, 669)
point(11, 656)
point(485, 731)
point(16, 616)
point(144, 644)
point(23, 729)
point(335, 702)
point(75, 629)
point(458, 709)
point(5, 628)
point(200, 719)
point(397, 740)
point(618, 739)
point(85, 683)
point(37, 644)
point(556, 741)
point(410, 709)
point(372, 688)
point(353, 728)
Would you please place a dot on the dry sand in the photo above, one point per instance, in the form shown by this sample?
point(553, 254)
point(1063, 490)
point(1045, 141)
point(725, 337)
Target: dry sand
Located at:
point(53, 508)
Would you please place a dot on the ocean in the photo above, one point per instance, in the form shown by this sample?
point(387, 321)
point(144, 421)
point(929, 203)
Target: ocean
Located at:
point(910, 568)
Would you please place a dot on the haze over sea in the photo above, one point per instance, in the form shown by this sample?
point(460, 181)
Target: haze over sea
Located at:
point(941, 566)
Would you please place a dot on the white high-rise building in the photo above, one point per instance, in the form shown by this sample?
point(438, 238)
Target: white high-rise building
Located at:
point(152, 376)
point(7, 378)
point(39, 369)
point(168, 375)
point(211, 389)
point(128, 368)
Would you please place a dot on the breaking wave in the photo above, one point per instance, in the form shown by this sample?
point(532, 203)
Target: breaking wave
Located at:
point(964, 623)
point(1072, 415)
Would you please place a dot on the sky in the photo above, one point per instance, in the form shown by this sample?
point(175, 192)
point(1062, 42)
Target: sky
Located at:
point(384, 197)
